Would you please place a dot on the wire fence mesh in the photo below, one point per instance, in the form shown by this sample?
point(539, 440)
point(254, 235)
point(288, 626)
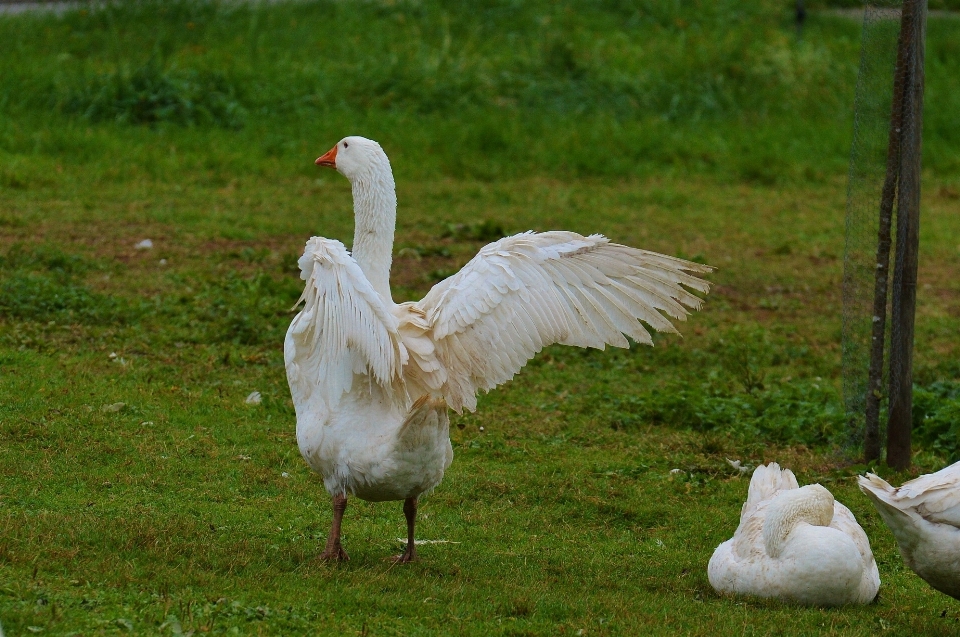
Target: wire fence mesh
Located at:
point(884, 173)
point(867, 175)
point(910, 75)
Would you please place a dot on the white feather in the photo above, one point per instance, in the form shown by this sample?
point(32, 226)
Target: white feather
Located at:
point(924, 516)
point(525, 292)
point(796, 544)
point(372, 380)
point(344, 330)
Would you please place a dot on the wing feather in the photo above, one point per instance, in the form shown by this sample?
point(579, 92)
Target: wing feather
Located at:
point(344, 330)
point(935, 497)
point(523, 293)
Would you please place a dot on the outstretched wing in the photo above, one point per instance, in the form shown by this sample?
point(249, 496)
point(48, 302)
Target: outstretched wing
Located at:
point(528, 291)
point(345, 330)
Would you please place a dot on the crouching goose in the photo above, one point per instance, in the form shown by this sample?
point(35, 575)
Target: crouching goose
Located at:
point(797, 544)
point(372, 380)
point(924, 516)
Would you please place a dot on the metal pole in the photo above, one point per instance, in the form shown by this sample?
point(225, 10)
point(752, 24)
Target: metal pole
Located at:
point(900, 421)
point(871, 436)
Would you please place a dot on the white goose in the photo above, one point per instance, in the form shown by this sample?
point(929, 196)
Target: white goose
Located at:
point(797, 544)
point(372, 380)
point(924, 515)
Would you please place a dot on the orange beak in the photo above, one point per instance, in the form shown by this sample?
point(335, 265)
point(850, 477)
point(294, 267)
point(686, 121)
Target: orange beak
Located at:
point(328, 159)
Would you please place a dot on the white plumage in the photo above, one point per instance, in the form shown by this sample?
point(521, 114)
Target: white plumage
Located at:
point(796, 544)
point(924, 516)
point(372, 380)
point(522, 293)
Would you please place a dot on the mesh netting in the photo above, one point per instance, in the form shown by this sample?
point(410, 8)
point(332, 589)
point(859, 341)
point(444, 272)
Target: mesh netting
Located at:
point(904, 293)
point(868, 172)
point(884, 175)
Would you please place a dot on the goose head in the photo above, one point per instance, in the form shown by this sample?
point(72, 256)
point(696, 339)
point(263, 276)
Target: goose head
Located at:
point(356, 158)
point(366, 166)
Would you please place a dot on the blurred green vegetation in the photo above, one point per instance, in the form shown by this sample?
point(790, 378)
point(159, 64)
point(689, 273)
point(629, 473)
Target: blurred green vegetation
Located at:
point(936, 416)
point(488, 89)
point(935, 5)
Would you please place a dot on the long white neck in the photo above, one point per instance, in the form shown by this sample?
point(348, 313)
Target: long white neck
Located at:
point(812, 504)
point(375, 209)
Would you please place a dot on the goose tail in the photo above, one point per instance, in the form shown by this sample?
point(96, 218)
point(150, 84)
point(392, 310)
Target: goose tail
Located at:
point(876, 488)
point(901, 521)
point(426, 420)
point(883, 495)
point(767, 480)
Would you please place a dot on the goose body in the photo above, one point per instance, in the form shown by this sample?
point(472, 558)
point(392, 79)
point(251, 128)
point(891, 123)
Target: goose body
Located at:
point(372, 380)
point(924, 516)
point(797, 544)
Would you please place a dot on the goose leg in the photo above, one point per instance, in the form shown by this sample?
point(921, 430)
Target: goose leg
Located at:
point(410, 512)
point(333, 551)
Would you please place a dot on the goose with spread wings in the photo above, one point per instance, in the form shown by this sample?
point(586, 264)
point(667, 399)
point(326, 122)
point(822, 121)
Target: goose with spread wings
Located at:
point(372, 381)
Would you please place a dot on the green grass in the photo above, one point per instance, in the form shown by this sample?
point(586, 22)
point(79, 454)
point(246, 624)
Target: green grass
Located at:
point(701, 129)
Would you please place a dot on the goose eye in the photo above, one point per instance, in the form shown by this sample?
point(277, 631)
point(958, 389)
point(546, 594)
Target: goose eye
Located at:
point(346, 145)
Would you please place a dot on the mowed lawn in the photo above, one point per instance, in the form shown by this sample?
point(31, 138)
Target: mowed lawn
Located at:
point(139, 493)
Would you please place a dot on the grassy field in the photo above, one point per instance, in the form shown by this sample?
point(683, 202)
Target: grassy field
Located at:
point(140, 494)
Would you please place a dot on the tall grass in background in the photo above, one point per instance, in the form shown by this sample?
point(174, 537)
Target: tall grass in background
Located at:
point(478, 89)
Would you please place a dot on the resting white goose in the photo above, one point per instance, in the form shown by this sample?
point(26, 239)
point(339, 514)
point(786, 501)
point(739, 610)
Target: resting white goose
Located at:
point(796, 544)
point(372, 380)
point(924, 515)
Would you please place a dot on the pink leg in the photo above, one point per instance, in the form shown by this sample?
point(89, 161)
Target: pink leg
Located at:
point(333, 551)
point(410, 512)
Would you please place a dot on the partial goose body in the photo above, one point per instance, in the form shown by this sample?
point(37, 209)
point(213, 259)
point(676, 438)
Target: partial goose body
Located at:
point(797, 544)
point(378, 452)
point(924, 516)
point(372, 380)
